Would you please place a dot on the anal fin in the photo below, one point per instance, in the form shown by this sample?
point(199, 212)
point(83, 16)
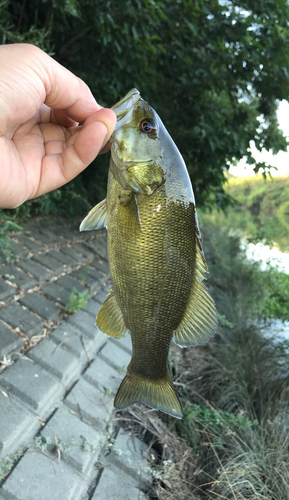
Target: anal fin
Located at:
point(96, 218)
point(110, 320)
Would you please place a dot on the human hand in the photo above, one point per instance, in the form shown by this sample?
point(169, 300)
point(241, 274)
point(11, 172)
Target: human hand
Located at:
point(41, 145)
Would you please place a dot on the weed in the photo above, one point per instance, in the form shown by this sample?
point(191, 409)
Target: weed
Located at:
point(77, 300)
point(5, 246)
point(199, 420)
point(41, 443)
point(44, 444)
point(84, 275)
point(69, 201)
point(257, 467)
point(8, 462)
point(85, 445)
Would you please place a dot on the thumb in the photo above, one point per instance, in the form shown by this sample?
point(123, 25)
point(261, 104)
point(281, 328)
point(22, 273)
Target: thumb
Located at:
point(94, 135)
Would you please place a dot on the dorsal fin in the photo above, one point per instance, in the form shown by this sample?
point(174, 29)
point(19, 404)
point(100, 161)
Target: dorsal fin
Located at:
point(200, 318)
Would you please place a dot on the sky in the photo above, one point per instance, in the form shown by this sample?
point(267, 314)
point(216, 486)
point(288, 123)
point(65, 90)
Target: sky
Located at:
point(281, 160)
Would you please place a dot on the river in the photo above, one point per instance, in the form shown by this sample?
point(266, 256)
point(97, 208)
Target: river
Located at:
point(266, 254)
point(274, 257)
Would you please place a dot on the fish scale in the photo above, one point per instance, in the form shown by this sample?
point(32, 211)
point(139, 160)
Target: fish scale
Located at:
point(155, 255)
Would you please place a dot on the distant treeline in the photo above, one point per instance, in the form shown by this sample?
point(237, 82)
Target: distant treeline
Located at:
point(260, 211)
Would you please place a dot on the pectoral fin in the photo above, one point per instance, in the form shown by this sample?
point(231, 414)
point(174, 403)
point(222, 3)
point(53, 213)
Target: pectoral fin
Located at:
point(110, 320)
point(200, 318)
point(96, 218)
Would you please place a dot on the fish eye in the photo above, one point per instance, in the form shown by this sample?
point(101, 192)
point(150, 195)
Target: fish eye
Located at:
point(148, 127)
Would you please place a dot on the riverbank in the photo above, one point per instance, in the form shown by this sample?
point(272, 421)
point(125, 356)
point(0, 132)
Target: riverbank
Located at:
point(260, 210)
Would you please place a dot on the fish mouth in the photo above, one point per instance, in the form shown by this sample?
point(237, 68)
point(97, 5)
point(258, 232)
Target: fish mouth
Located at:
point(123, 107)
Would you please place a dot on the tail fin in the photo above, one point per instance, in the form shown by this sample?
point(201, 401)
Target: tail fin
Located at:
point(159, 394)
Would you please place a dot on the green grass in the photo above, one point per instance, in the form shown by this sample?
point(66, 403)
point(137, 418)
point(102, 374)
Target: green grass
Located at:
point(6, 227)
point(241, 381)
point(77, 300)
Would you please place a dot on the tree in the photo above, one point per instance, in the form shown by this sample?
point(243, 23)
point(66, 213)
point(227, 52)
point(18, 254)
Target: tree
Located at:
point(213, 70)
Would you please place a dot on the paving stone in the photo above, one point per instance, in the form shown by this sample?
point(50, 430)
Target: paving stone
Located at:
point(85, 235)
point(69, 283)
point(101, 296)
point(74, 228)
point(129, 454)
point(99, 241)
point(92, 307)
point(83, 275)
point(62, 257)
point(15, 316)
point(42, 237)
point(31, 384)
point(81, 441)
point(29, 243)
point(116, 356)
point(38, 476)
point(103, 375)
point(80, 274)
point(101, 265)
point(39, 272)
point(79, 344)
point(48, 261)
point(65, 232)
point(60, 290)
point(18, 277)
point(18, 425)
point(57, 238)
point(56, 360)
point(91, 404)
point(57, 293)
point(96, 274)
point(86, 323)
point(9, 341)
point(41, 306)
point(6, 291)
point(18, 250)
point(124, 343)
point(74, 254)
point(115, 486)
point(84, 250)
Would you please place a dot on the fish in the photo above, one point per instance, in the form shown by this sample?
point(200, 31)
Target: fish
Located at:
point(155, 255)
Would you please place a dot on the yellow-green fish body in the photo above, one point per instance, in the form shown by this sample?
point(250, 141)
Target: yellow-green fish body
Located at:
point(155, 255)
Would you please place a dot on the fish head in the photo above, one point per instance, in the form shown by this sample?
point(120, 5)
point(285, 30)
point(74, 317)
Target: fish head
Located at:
point(140, 145)
point(136, 132)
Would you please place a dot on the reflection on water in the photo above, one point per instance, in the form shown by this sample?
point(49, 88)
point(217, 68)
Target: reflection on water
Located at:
point(266, 254)
point(274, 257)
point(279, 329)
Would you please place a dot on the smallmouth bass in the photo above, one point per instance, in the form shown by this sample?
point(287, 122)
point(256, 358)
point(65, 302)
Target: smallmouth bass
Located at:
point(155, 255)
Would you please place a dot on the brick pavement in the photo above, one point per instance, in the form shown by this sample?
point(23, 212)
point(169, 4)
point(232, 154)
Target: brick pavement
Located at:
point(59, 373)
